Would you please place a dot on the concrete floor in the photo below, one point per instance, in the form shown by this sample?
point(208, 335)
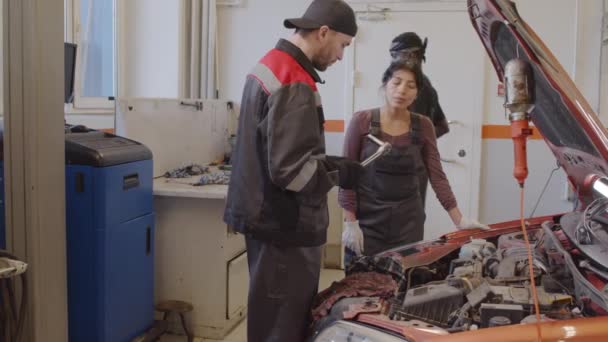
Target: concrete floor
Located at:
point(239, 334)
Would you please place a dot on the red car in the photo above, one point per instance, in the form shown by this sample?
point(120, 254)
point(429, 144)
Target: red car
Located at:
point(479, 285)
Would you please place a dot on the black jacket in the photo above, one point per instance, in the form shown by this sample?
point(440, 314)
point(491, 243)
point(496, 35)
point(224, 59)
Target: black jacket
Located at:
point(427, 104)
point(280, 178)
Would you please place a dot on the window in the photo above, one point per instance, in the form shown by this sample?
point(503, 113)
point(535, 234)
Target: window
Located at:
point(90, 25)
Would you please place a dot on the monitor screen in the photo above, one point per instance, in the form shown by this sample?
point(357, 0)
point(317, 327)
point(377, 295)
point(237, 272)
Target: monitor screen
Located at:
point(70, 66)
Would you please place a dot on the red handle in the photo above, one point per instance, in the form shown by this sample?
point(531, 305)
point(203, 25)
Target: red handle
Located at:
point(520, 131)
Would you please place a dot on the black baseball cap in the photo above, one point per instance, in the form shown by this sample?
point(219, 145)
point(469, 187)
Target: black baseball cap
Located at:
point(408, 41)
point(336, 14)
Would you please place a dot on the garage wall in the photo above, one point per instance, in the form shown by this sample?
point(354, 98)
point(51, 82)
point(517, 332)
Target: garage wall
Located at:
point(572, 32)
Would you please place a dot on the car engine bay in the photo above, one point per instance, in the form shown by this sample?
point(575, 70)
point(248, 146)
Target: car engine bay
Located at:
point(486, 283)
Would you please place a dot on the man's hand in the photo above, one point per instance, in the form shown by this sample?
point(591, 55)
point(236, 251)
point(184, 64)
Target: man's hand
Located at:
point(349, 171)
point(352, 237)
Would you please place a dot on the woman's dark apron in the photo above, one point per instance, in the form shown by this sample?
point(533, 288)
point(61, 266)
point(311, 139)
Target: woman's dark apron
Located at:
point(390, 209)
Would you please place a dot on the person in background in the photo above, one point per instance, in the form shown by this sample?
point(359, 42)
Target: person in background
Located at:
point(277, 195)
point(386, 210)
point(410, 48)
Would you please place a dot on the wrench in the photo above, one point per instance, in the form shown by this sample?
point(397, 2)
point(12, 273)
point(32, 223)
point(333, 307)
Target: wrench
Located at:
point(384, 148)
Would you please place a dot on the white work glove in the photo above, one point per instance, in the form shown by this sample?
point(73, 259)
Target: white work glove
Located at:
point(467, 223)
point(352, 237)
point(10, 268)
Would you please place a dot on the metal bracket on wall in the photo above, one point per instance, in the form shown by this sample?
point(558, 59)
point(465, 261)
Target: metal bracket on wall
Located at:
point(230, 2)
point(374, 13)
point(198, 105)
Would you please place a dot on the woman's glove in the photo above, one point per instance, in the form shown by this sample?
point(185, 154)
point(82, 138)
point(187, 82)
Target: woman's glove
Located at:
point(467, 223)
point(352, 237)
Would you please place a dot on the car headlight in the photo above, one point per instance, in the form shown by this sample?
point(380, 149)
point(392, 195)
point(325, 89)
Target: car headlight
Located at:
point(343, 331)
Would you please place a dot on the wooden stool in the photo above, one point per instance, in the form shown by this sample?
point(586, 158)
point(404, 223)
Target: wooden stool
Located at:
point(178, 307)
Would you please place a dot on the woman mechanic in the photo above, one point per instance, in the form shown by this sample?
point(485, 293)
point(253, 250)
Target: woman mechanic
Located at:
point(386, 211)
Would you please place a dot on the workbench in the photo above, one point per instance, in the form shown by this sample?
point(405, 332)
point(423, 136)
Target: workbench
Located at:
point(198, 259)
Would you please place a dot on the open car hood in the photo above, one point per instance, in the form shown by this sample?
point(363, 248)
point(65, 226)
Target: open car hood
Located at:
point(562, 116)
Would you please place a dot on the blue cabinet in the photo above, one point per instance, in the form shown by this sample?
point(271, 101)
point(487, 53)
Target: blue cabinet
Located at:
point(110, 238)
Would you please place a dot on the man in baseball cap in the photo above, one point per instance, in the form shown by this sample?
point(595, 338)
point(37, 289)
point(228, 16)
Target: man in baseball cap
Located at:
point(336, 14)
point(280, 178)
point(324, 30)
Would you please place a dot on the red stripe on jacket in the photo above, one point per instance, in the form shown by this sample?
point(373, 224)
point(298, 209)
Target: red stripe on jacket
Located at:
point(286, 69)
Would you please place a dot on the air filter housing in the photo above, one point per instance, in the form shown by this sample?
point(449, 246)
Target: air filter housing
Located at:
point(431, 303)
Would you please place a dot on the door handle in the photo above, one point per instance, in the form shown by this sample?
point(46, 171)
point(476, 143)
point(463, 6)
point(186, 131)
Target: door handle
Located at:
point(79, 182)
point(461, 153)
point(454, 122)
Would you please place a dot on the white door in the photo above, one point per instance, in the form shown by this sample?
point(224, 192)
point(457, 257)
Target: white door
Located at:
point(455, 65)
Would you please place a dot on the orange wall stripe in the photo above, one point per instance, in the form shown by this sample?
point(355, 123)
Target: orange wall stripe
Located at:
point(487, 131)
point(504, 132)
point(335, 126)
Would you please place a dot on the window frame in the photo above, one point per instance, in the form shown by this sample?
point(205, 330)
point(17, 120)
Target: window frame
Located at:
point(85, 104)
